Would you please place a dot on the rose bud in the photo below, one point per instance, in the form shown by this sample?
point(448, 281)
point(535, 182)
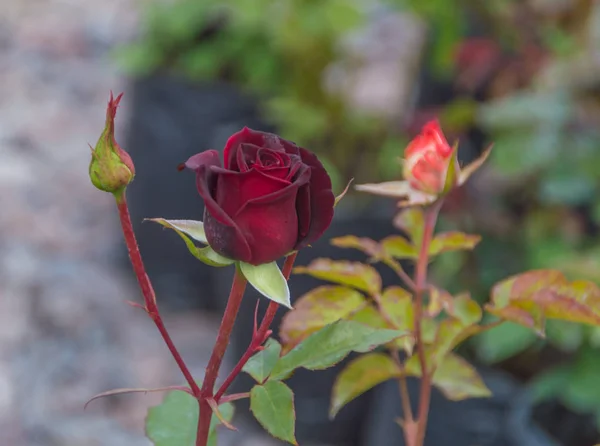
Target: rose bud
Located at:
point(427, 160)
point(111, 168)
point(268, 198)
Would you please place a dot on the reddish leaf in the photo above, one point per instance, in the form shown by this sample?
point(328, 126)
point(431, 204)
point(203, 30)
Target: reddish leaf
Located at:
point(470, 169)
point(531, 297)
point(452, 241)
point(355, 274)
point(317, 308)
point(366, 245)
point(360, 375)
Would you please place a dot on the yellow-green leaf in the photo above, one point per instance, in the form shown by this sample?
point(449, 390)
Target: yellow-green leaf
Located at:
point(355, 274)
point(412, 222)
point(453, 241)
point(360, 375)
point(454, 377)
point(368, 315)
point(397, 304)
point(398, 247)
point(317, 308)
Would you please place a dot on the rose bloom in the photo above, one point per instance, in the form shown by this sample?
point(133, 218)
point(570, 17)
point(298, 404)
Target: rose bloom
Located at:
point(268, 198)
point(427, 158)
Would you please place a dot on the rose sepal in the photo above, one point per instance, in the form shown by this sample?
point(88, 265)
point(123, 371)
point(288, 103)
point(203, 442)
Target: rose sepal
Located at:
point(268, 280)
point(190, 230)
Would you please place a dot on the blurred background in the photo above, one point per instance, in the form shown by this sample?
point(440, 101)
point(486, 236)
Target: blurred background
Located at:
point(352, 80)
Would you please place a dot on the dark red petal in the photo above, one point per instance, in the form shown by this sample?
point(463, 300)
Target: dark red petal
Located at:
point(235, 189)
point(270, 226)
point(223, 235)
point(245, 135)
point(245, 156)
point(321, 199)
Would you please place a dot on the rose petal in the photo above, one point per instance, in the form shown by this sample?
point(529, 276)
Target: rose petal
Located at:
point(235, 189)
point(247, 136)
point(244, 157)
point(223, 235)
point(321, 199)
point(270, 225)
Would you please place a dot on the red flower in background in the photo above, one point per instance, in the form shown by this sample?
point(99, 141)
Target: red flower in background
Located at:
point(427, 158)
point(269, 198)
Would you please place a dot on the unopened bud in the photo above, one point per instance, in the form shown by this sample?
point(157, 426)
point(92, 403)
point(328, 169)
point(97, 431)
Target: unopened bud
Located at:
point(111, 168)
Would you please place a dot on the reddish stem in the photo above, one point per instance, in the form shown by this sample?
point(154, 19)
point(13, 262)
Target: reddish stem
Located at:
point(431, 215)
point(216, 358)
point(151, 306)
point(259, 336)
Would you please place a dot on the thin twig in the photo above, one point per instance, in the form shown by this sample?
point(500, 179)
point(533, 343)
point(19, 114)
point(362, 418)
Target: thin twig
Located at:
point(216, 358)
point(151, 306)
point(431, 215)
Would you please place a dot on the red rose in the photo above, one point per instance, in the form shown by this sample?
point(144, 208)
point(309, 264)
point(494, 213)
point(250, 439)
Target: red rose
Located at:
point(426, 160)
point(269, 198)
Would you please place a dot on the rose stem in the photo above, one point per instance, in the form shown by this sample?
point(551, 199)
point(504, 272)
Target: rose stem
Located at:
point(259, 337)
point(150, 306)
point(216, 358)
point(431, 215)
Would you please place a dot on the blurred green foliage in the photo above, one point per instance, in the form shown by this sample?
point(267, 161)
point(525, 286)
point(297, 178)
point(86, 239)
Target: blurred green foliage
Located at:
point(542, 116)
point(279, 50)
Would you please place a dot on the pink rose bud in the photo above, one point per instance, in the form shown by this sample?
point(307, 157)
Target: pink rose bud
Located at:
point(427, 160)
point(269, 197)
point(111, 168)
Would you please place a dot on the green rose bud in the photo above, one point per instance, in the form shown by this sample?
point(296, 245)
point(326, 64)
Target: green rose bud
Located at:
point(111, 168)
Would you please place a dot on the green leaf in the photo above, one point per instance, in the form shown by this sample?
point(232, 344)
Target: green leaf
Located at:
point(268, 280)
point(582, 393)
point(195, 230)
point(331, 344)
point(452, 241)
point(360, 375)
point(529, 298)
point(452, 174)
point(503, 342)
point(454, 377)
point(399, 247)
point(272, 404)
point(318, 308)
point(412, 222)
point(174, 422)
point(261, 364)
point(355, 274)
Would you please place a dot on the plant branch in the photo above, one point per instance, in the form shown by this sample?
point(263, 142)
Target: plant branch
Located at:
point(397, 268)
point(431, 215)
point(150, 305)
point(403, 387)
point(259, 337)
point(216, 358)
